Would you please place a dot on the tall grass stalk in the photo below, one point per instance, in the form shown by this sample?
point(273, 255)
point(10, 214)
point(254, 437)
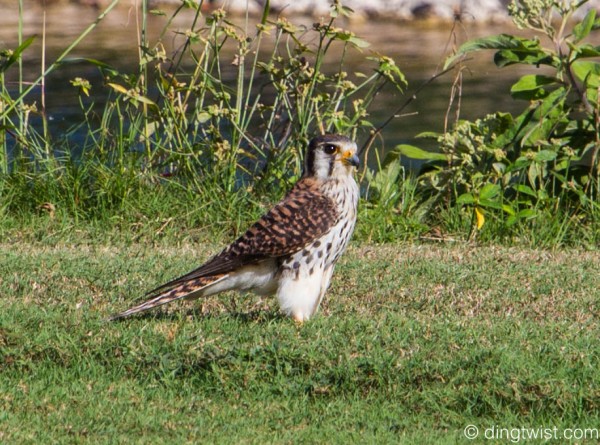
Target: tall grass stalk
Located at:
point(23, 92)
point(187, 120)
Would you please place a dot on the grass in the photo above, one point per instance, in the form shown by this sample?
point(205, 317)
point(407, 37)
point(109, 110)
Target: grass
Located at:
point(414, 342)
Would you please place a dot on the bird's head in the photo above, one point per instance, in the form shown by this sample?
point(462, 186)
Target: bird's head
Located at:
point(331, 156)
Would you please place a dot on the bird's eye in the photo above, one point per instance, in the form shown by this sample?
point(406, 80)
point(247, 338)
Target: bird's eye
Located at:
point(329, 149)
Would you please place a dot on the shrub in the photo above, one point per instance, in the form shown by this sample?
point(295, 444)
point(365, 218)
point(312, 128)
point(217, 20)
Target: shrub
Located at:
point(543, 163)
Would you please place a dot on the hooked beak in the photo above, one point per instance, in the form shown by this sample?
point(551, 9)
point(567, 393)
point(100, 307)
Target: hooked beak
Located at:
point(350, 158)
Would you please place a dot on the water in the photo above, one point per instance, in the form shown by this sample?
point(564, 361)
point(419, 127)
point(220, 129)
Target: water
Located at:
point(419, 50)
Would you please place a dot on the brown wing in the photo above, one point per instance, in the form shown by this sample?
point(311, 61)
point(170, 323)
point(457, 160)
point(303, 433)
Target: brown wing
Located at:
point(303, 216)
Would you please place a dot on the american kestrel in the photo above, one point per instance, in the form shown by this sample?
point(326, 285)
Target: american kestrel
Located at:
point(292, 250)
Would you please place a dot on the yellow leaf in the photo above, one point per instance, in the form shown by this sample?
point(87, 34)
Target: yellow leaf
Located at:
point(480, 218)
point(118, 88)
point(145, 100)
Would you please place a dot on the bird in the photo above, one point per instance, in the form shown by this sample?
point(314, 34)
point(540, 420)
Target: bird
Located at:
point(292, 250)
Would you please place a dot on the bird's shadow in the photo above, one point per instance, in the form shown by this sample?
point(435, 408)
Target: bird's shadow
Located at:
point(255, 316)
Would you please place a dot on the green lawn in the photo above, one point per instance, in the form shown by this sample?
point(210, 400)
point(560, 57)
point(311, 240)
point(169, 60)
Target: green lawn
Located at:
point(414, 343)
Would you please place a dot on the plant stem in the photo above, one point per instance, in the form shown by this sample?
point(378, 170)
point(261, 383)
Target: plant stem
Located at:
point(24, 92)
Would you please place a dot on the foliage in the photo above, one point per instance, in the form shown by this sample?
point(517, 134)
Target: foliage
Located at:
point(392, 209)
point(226, 116)
point(544, 161)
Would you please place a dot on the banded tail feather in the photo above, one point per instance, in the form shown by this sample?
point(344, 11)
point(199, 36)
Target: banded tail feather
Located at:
point(186, 289)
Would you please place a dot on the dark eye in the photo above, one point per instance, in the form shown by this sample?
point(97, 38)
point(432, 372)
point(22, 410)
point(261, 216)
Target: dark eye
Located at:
point(329, 149)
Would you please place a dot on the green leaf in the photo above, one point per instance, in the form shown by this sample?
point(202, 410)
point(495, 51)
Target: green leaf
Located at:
point(428, 135)
point(337, 9)
point(522, 188)
point(203, 117)
point(508, 209)
point(533, 173)
point(105, 68)
point(531, 82)
point(522, 214)
point(346, 11)
point(358, 42)
point(489, 191)
point(551, 106)
point(585, 50)
point(391, 156)
point(465, 198)
point(588, 72)
point(499, 167)
point(511, 50)
point(500, 41)
point(592, 95)
point(527, 214)
point(528, 57)
point(582, 29)
point(488, 203)
point(530, 87)
point(548, 117)
point(16, 54)
point(545, 156)
point(562, 165)
point(413, 152)
point(350, 37)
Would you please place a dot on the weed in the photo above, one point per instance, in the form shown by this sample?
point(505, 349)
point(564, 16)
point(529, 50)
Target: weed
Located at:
point(538, 170)
point(226, 116)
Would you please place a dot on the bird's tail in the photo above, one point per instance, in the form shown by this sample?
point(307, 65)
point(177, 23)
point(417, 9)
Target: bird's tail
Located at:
point(186, 289)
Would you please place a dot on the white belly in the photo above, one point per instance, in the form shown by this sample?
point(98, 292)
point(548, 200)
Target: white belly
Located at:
point(299, 296)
